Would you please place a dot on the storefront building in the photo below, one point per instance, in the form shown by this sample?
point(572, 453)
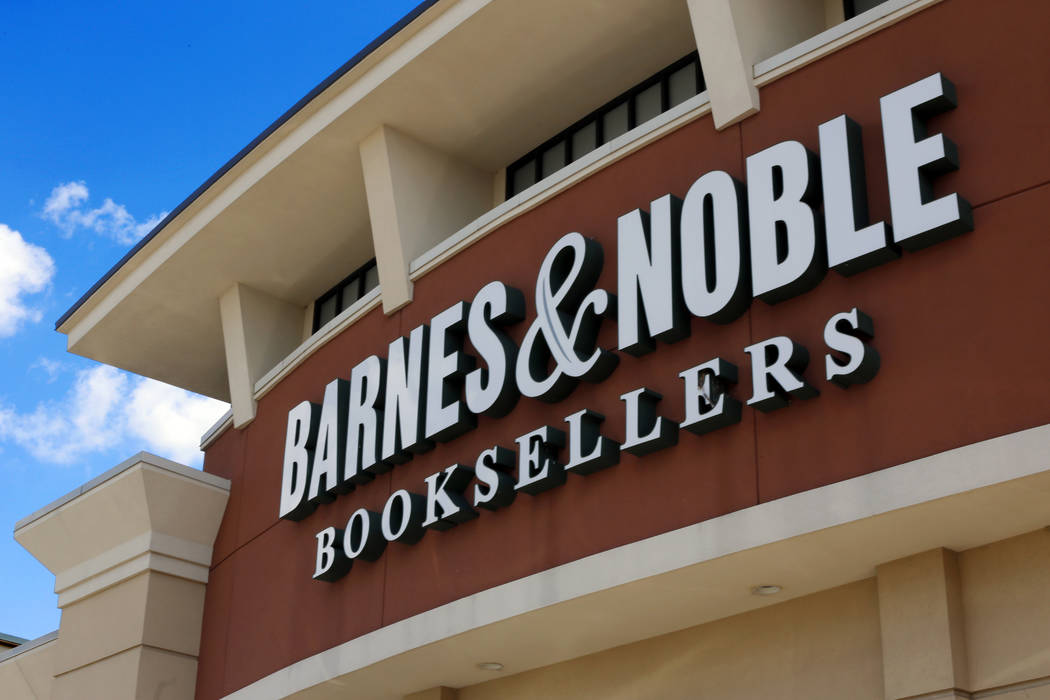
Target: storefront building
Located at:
point(648, 349)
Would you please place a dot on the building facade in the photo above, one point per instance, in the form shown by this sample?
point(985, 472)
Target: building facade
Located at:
point(649, 349)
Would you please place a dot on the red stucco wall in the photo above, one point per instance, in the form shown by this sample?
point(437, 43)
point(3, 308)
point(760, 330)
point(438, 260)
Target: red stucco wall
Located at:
point(961, 328)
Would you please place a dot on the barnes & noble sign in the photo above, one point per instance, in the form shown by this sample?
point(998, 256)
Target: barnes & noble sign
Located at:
point(707, 255)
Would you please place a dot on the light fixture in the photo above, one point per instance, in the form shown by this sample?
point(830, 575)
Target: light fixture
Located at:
point(490, 666)
point(766, 589)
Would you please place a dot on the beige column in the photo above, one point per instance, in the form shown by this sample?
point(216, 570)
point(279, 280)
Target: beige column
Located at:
point(921, 614)
point(258, 331)
point(417, 197)
point(130, 552)
point(733, 35)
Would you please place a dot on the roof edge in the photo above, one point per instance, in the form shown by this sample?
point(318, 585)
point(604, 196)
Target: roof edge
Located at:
point(29, 646)
point(230, 164)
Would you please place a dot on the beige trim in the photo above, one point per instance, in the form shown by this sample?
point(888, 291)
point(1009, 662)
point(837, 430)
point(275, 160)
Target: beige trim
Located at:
point(970, 496)
point(215, 431)
point(726, 66)
point(837, 37)
point(29, 646)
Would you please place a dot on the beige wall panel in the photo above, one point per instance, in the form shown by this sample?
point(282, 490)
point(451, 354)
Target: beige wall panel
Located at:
point(13, 685)
point(141, 673)
point(1006, 598)
point(169, 624)
point(37, 668)
point(163, 675)
point(112, 678)
point(106, 623)
point(820, 647)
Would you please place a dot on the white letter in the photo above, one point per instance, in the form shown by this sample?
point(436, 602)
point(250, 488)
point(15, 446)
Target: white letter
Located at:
point(708, 405)
point(776, 372)
point(403, 415)
point(862, 361)
point(714, 243)
point(445, 494)
point(491, 389)
point(331, 444)
point(911, 160)
point(332, 564)
point(852, 244)
point(447, 415)
point(365, 421)
point(787, 255)
point(648, 277)
point(300, 438)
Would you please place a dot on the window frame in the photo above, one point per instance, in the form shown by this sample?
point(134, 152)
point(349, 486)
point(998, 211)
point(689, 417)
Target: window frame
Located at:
point(358, 277)
point(661, 77)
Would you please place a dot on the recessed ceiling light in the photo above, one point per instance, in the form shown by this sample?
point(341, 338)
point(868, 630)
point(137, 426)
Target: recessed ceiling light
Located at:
point(490, 666)
point(767, 589)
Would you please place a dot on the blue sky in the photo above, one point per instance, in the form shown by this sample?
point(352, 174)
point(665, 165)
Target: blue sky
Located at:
point(111, 113)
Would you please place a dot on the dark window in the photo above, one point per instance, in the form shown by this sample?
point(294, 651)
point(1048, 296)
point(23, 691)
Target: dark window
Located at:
point(341, 296)
point(852, 8)
point(670, 87)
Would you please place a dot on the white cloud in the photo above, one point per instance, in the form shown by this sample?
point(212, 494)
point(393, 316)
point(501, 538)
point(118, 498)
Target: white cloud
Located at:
point(169, 420)
point(65, 198)
point(65, 208)
point(24, 269)
point(106, 409)
point(52, 368)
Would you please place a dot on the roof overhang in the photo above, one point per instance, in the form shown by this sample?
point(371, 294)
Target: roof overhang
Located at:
point(483, 81)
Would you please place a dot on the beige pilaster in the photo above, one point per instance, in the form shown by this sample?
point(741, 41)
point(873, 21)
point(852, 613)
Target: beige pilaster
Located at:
point(733, 35)
point(130, 551)
point(921, 617)
point(417, 197)
point(258, 331)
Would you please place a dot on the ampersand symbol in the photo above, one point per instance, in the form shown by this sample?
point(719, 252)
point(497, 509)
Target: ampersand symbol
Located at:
point(568, 315)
